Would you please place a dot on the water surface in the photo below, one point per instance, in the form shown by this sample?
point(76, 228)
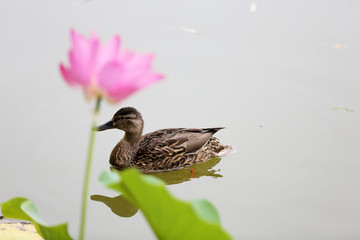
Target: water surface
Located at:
point(282, 77)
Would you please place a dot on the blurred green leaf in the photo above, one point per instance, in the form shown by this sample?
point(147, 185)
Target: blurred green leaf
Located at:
point(169, 217)
point(24, 209)
point(205, 210)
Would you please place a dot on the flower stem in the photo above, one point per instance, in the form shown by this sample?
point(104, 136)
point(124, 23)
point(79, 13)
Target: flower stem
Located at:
point(88, 170)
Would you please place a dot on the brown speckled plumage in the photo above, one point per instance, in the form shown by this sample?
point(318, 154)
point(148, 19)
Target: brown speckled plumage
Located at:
point(161, 150)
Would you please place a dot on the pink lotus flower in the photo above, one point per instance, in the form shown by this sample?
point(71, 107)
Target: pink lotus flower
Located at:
point(102, 71)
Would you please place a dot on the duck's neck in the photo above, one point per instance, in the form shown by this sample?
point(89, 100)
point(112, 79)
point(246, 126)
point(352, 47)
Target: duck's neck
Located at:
point(132, 138)
point(124, 152)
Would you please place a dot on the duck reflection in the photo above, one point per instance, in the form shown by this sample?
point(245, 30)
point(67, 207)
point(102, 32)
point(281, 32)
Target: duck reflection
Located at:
point(186, 174)
point(123, 208)
point(118, 205)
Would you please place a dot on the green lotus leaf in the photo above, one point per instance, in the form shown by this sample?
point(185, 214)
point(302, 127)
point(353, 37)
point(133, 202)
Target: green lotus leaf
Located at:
point(24, 209)
point(169, 217)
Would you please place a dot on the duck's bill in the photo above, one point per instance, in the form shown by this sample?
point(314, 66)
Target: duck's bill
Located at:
point(108, 125)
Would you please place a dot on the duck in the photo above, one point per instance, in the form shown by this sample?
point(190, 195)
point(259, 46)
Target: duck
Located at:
point(161, 150)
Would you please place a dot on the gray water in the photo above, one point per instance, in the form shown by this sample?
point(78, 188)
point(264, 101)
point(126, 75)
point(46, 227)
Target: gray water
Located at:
point(282, 77)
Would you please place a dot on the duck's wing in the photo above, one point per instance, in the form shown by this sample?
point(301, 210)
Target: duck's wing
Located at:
point(170, 148)
point(188, 139)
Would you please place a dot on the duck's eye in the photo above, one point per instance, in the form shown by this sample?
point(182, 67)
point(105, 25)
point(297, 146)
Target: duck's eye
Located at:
point(123, 117)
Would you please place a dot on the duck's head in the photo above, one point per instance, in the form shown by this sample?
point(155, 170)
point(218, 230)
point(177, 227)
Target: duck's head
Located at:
point(127, 119)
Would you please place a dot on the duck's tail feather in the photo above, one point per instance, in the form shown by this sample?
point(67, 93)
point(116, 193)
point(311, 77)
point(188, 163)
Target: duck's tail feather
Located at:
point(228, 149)
point(213, 130)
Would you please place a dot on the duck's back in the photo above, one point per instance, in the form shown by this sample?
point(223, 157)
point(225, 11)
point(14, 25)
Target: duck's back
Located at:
point(174, 148)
